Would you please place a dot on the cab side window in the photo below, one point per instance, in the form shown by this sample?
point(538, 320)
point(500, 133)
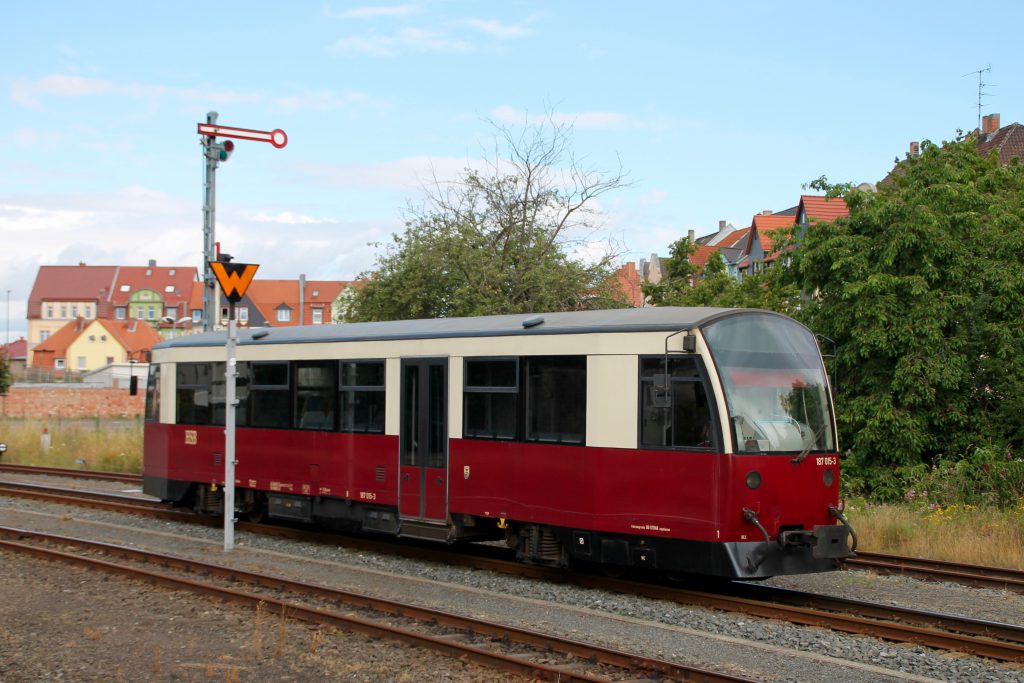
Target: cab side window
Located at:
point(675, 410)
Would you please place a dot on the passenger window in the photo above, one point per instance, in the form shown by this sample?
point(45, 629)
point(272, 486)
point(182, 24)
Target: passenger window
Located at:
point(362, 396)
point(556, 399)
point(674, 407)
point(192, 394)
point(490, 398)
point(269, 395)
point(315, 394)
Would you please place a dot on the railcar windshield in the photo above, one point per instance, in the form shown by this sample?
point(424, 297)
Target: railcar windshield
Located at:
point(774, 383)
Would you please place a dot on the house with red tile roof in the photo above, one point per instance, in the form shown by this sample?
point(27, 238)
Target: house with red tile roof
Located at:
point(816, 209)
point(83, 345)
point(62, 294)
point(287, 303)
point(1007, 142)
point(152, 292)
point(17, 355)
point(765, 230)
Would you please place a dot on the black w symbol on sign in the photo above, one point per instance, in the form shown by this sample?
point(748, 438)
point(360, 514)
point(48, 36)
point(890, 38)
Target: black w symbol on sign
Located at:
point(234, 278)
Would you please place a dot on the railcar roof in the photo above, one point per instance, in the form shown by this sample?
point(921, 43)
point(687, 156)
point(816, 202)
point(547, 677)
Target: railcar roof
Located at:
point(670, 319)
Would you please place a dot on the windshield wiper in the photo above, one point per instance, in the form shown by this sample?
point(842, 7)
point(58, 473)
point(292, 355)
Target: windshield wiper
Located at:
point(806, 451)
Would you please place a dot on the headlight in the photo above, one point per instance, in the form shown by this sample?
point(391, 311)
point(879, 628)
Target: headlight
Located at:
point(753, 480)
point(829, 477)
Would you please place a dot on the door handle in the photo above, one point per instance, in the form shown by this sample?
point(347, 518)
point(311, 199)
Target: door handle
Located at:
point(405, 477)
point(440, 481)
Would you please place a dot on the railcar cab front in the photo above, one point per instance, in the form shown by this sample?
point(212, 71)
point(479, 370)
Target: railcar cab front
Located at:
point(784, 462)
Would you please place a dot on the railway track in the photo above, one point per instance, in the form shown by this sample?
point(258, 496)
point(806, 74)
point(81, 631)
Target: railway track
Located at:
point(507, 648)
point(940, 570)
point(1002, 642)
point(77, 474)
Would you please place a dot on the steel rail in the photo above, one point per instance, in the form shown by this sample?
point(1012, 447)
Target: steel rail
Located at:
point(939, 570)
point(469, 626)
point(1010, 633)
point(109, 502)
point(77, 474)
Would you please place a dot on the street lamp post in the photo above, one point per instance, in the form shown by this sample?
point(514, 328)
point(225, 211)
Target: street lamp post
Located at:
point(174, 323)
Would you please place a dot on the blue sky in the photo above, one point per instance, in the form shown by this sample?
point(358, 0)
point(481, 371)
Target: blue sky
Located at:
point(715, 112)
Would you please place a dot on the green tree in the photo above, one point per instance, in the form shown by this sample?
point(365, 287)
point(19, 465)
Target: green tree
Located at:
point(512, 239)
point(6, 378)
point(922, 290)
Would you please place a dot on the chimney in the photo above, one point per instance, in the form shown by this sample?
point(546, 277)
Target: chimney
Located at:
point(721, 226)
point(690, 235)
point(915, 149)
point(152, 263)
point(766, 212)
point(302, 296)
point(990, 124)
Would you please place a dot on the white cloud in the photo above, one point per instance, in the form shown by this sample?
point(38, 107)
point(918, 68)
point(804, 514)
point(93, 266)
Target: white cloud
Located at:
point(289, 218)
point(447, 37)
point(405, 40)
point(374, 12)
point(28, 93)
point(401, 174)
point(497, 29)
point(34, 137)
point(653, 197)
point(591, 119)
point(135, 224)
point(323, 100)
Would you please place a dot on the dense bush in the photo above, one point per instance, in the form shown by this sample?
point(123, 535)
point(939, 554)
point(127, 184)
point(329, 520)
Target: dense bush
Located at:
point(990, 476)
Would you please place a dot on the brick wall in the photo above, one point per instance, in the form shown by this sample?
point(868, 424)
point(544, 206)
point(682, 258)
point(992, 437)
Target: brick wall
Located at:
point(70, 401)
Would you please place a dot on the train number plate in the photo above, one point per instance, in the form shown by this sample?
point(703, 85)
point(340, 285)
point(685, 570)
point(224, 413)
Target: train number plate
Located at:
point(191, 437)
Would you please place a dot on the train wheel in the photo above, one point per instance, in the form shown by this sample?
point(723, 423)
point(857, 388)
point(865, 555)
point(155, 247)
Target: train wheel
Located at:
point(614, 571)
point(256, 507)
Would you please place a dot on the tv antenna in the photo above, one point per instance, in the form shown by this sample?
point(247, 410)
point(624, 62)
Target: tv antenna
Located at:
point(981, 91)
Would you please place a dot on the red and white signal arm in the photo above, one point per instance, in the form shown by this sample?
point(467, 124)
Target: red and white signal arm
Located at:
point(277, 137)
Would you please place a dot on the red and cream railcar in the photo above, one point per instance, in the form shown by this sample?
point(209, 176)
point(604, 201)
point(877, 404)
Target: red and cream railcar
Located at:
point(693, 440)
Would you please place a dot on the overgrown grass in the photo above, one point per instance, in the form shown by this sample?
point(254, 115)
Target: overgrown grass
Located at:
point(106, 445)
point(958, 533)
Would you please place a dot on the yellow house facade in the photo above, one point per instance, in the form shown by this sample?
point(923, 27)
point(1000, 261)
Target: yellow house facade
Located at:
point(94, 348)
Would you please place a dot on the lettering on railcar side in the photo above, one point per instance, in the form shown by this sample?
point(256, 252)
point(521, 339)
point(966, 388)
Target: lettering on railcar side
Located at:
point(649, 527)
point(824, 461)
point(367, 495)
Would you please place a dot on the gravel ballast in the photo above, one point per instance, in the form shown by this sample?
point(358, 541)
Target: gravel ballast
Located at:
point(756, 648)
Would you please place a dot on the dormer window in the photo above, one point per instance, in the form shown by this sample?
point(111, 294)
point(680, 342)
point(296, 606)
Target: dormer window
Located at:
point(316, 293)
point(171, 272)
point(126, 288)
point(169, 289)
